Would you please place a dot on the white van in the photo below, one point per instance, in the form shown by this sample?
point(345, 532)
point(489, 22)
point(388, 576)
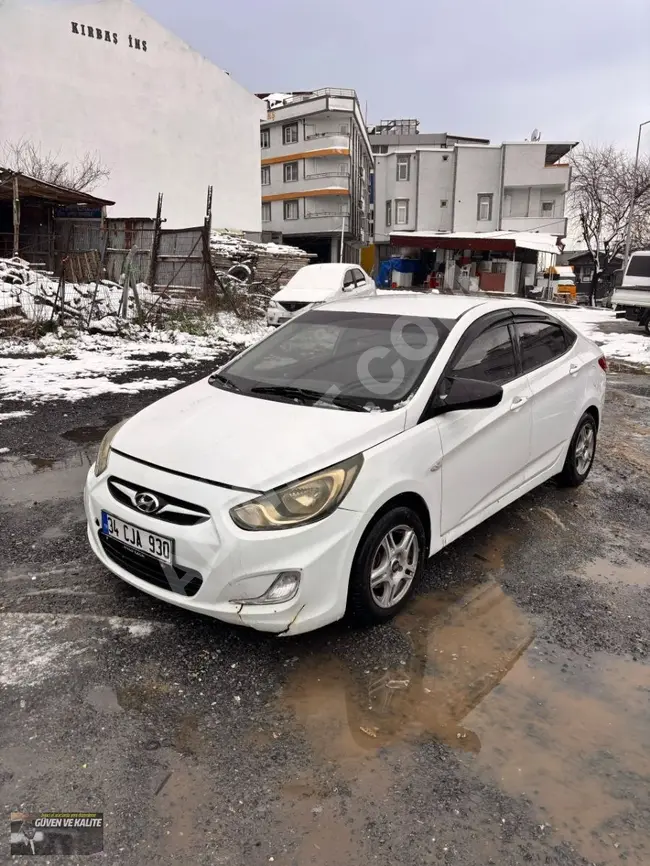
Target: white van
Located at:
point(631, 299)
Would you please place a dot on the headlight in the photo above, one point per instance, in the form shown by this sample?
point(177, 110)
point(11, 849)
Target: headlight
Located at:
point(105, 448)
point(300, 502)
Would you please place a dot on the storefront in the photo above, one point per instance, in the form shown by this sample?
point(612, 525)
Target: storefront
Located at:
point(505, 262)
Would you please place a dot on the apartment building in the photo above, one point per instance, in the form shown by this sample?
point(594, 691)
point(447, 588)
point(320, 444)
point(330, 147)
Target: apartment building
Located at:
point(315, 172)
point(105, 78)
point(442, 183)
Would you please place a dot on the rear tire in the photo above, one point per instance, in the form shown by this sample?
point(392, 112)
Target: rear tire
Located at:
point(581, 453)
point(387, 566)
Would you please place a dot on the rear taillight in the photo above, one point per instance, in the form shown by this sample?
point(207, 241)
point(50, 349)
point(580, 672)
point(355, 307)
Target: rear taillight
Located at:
point(602, 363)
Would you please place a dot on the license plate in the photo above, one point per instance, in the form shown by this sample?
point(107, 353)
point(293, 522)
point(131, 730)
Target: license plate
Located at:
point(139, 539)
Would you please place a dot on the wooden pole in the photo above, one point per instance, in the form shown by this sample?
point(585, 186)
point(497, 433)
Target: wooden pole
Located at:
point(16, 217)
point(155, 244)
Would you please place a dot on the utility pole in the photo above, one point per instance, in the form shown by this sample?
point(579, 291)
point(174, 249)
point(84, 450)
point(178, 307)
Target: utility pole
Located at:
point(628, 238)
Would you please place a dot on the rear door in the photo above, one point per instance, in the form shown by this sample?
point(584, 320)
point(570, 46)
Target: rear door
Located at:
point(362, 285)
point(556, 374)
point(485, 451)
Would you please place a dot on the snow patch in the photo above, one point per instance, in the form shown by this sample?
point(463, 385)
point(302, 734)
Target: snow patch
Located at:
point(620, 346)
point(136, 629)
point(11, 416)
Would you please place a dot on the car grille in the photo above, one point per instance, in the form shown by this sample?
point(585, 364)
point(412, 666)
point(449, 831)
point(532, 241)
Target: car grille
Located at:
point(171, 510)
point(293, 306)
point(147, 568)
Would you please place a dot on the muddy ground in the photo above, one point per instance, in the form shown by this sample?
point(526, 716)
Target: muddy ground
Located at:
point(501, 719)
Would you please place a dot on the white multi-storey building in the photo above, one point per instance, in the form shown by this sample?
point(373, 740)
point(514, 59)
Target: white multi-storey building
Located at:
point(316, 165)
point(449, 184)
point(105, 78)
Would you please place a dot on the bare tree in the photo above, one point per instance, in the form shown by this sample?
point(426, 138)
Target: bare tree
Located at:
point(26, 157)
point(599, 201)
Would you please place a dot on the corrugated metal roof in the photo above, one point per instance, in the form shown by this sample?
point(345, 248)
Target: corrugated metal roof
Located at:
point(31, 187)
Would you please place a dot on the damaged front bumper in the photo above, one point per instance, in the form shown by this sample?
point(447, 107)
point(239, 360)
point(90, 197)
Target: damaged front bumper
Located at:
point(230, 563)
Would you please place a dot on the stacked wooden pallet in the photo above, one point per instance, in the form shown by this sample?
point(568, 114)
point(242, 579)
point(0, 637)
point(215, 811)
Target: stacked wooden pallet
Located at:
point(270, 264)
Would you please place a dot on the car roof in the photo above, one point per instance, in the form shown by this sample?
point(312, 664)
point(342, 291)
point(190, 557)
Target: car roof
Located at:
point(331, 267)
point(435, 306)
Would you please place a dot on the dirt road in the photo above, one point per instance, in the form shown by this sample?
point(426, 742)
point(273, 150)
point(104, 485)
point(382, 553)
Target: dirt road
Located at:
point(501, 719)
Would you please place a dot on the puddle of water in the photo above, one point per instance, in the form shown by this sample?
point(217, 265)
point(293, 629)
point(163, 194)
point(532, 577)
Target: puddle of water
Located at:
point(103, 698)
point(35, 479)
point(578, 744)
point(604, 571)
point(459, 649)
point(91, 434)
point(492, 553)
point(572, 737)
point(139, 696)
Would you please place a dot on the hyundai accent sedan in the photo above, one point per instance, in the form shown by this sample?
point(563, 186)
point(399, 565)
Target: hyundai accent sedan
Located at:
point(315, 473)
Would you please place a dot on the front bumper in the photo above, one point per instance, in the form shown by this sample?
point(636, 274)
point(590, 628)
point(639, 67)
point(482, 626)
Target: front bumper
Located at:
point(232, 562)
point(277, 316)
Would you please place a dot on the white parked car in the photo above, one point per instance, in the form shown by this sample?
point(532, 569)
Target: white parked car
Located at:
point(317, 471)
point(316, 284)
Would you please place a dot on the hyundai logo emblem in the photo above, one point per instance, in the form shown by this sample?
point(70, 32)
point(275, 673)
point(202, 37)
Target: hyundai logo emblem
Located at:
point(147, 502)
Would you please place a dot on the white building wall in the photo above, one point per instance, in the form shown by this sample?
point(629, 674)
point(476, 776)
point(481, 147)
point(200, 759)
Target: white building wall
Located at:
point(163, 119)
point(435, 186)
point(478, 171)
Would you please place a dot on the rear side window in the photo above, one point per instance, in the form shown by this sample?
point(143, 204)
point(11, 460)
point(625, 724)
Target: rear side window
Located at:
point(358, 276)
point(490, 357)
point(540, 342)
point(639, 267)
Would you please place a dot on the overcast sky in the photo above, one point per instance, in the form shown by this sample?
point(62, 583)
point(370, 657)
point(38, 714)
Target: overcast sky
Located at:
point(576, 70)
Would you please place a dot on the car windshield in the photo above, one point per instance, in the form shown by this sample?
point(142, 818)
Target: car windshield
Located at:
point(347, 360)
point(639, 267)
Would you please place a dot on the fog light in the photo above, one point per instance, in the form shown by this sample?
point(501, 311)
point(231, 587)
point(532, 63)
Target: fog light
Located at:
point(284, 588)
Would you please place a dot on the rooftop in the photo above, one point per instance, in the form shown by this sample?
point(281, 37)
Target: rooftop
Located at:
point(31, 187)
point(424, 304)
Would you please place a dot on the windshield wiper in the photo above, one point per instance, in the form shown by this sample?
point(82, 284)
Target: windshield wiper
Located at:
point(224, 381)
point(306, 394)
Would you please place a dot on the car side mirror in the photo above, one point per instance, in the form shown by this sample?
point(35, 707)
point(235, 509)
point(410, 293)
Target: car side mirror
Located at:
point(455, 393)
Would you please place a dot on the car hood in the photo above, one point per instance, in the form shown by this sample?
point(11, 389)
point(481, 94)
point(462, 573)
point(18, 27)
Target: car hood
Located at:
point(248, 442)
point(306, 295)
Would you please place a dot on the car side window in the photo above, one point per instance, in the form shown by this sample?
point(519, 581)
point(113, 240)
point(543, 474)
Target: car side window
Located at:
point(490, 357)
point(359, 277)
point(348, 279)
point(539, 343)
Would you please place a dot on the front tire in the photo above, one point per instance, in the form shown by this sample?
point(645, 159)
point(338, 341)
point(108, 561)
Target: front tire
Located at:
point(581, 453)
point(387, 566)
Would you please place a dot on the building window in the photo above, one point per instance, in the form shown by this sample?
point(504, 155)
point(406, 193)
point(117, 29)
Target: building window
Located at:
point(484, 207)
point(266, 175)
point(291, 210)
point(380, 148)
point(548, 208)
point(403, 167)
point(290, 172)
point(265, 137)
point(586, 274)
point(389, 213)
point(266, 211)
point(290, 133)
point(443, 202)
point(401, 211)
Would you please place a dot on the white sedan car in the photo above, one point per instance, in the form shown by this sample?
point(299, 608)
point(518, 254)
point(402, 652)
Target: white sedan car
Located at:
point(317, 471)
point(316, 284)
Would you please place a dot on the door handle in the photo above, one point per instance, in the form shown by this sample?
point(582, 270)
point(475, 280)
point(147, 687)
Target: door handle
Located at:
point(517, 403)
point(573, 368)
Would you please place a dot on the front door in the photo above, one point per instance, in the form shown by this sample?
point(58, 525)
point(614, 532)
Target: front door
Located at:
point(485, 451)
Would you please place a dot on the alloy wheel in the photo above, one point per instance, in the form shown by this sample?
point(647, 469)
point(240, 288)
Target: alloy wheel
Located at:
point(584, 448)
point(394, 565)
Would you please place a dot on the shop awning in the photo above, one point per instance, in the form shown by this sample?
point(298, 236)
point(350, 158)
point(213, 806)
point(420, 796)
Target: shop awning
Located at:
point(498, 242)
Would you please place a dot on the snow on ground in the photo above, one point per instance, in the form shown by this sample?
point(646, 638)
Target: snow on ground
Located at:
point(630, 344)
point(11, 416)
point(81, 365)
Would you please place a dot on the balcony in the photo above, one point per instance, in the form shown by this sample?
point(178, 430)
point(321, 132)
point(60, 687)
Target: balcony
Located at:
point(335, 172)
point(328, 133)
